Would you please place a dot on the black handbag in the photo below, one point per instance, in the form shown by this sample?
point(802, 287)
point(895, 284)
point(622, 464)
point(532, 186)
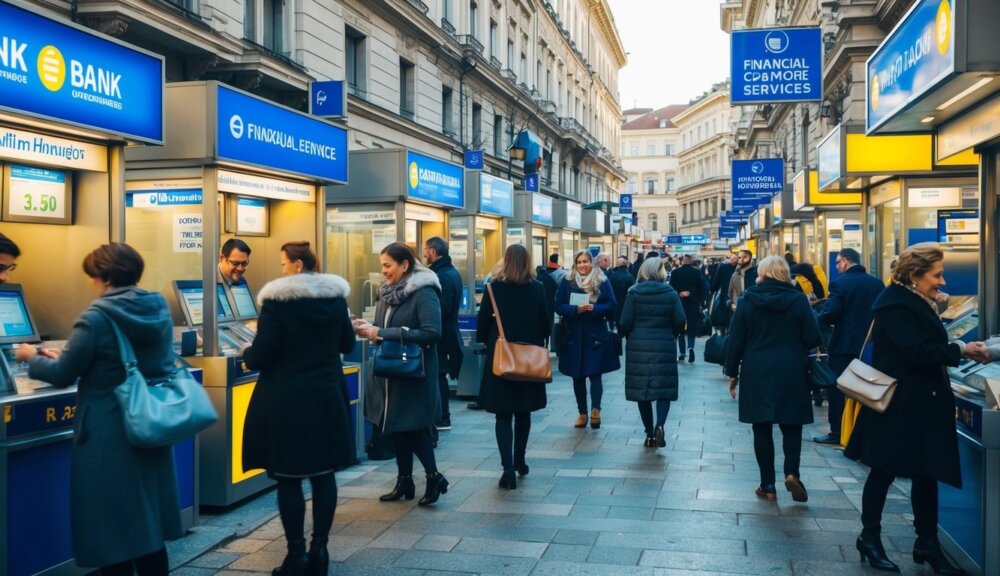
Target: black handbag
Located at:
point(399, 360)
point(720, 314)
point(706, 324)
point(821, 376)
point(715, 349)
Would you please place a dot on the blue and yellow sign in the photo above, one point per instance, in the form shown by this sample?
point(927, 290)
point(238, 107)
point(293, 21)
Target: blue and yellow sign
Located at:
point(913, 60)
point(776, 65)
point(434, 180)
point(69, 74)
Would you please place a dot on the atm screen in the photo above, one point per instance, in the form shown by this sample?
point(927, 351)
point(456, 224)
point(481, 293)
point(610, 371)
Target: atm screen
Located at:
point(246, 309)
point(16, 324)
point(191, 297)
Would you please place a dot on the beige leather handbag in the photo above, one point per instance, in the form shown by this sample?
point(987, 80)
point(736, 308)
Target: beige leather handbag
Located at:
point(516, 361)
point(865, 384)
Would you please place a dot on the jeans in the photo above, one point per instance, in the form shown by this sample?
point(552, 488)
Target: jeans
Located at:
point(923, 499)
point(596, 392)
point(292, 507)
point(414, 442)
point(512, 438)
point(155, 564)
point(646, 413)
point(445, 395)
point(763, 449)
point(692, 330)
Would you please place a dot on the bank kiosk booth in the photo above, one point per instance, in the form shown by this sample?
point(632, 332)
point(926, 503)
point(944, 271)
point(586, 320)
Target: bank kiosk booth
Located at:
point(71, 100)
point(234, 166)
point(836, 217)
point(595, 233)
point(530, 226)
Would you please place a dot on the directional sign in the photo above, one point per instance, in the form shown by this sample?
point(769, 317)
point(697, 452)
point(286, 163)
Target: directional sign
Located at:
point(624, 203)
point(531, 182)
point(327, 99)
point(755, 182)
point(473, 159)
point(776, 65)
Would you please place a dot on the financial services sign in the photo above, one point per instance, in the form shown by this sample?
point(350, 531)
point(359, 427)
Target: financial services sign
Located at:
point(776, 65)
point(916, 56)
point(69, 74)
point(434, 180)
point(258, 133)
point(755, 182)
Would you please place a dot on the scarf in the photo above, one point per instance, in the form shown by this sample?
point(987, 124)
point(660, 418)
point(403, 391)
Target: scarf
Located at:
point(591, 283)
point(394, 294)
point(929, 301)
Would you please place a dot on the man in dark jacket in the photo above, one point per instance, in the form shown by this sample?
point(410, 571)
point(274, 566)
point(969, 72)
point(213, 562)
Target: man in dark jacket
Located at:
point(849, 311)
point(450, 347)
point(690, 286)
point(718, 288)
point(621, 280)
point(634, 267)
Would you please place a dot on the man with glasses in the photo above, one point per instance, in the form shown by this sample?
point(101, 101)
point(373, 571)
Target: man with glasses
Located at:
point(233, 261)
point(9, 252)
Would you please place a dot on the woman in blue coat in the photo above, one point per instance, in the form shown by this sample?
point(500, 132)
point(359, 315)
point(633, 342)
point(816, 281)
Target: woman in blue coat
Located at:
point(588, 349)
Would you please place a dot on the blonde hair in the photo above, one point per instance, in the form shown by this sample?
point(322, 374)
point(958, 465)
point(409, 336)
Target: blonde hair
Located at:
point(916, 260)
point(652, 269)
point(775, 268)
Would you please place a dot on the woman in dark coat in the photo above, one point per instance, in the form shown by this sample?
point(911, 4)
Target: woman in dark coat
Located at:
point(297, 423)
point(589, 349)
point(524, 311)
point(409, 310)
point(772, 332)
point(915, 437)
point(651, 317)
point(124, 502)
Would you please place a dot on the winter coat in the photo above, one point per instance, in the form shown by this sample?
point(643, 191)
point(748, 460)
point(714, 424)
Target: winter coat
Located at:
point(298, 421)
point(621, 280)
point(412, 405)
point(651, 317)
point(450, 350)
point(720, 280)
point(551, 286)
point(916, 435)
point(849, 310)
point(742, 280)
point(687, 278)
point(525, 313)
point(770, 337)
point(123, 500)
point(589, 349)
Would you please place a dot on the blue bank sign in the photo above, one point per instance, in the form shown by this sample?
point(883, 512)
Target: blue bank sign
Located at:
point(259, 133)
point(541, 209)
point(434, 180)
point(776, 65)
point(66, 73)
point(755, 182)
point(328, 99)
point(496, 196)
point(916, 56)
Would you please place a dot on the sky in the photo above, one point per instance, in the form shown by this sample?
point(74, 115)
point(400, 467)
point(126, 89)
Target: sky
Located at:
point(676, 50)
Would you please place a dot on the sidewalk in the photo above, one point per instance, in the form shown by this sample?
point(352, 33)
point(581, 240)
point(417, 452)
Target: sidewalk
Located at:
point(595, 503)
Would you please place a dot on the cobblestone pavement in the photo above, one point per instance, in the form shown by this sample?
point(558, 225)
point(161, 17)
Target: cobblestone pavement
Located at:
point(596, 502)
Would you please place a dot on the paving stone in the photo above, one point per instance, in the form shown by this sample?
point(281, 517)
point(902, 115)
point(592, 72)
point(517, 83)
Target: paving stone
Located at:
point(570, 536)
point(566, 552)
point(614, 555)
point(486, 546)
point(437, 543)
point(215, 560)
point(453, 561)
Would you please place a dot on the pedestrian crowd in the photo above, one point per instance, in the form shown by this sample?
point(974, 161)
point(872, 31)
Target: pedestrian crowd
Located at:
point(777, 319)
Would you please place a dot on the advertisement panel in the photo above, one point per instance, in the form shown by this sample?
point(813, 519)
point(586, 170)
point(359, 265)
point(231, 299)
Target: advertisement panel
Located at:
point(434, 180)
point(776, 65)
point(496, 196)
point(541, 209)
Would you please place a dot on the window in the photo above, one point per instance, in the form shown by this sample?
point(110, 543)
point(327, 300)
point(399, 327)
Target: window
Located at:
point(623, 150)
point(477, 126)
point(634, 150)
point(650, 186)
point(407, 85)
point(669, 185)
point(548, 84)
point(524, 68)
point(672, 223)
point(446, 9)
point(547, 167)
point(650, 149)
point(538, 75)
point(473, 19)
point(355, 60)
point(493, 39)
point(497, 135)
point(630, 187)
point(264, 23)
point(653, 222)
point(447, 112)
point(250, 19)
point(670, 150)
point(510, 55)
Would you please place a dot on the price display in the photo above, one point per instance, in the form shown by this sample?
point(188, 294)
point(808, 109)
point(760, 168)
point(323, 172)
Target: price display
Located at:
point(37, 193)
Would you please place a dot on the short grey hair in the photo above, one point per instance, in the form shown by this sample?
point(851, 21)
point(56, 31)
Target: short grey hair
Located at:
point(652, 269)
point(774, 268)
point(438, 245)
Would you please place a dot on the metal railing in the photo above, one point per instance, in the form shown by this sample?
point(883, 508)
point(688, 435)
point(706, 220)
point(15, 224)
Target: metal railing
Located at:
point(496, 63)
point(470, 42)
point(448, 27)
point(419, 6)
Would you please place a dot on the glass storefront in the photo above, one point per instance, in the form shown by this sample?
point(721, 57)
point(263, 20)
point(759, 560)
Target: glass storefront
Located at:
point(355, 235)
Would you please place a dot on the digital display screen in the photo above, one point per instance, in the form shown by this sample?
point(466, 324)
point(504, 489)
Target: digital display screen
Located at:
point(14, 319)
point(243, 299)
point(193, 297)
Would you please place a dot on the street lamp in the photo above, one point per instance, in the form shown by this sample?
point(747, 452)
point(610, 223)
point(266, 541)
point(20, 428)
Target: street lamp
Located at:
point(515, 152)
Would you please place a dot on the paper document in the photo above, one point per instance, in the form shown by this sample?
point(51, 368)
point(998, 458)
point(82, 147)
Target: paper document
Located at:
point(576, 298)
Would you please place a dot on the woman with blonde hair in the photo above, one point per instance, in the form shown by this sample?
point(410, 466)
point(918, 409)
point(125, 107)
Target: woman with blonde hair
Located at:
point(586, 302)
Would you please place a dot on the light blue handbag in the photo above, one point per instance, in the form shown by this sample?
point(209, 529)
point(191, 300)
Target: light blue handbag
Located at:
point(163, 412)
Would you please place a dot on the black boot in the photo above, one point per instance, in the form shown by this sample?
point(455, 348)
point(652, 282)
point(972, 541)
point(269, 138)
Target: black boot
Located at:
point(519, 464)
point(296, 561)
point(404, 488)
point(870, 548)
point(319, 558)
point(928, 549)
point(437, 485)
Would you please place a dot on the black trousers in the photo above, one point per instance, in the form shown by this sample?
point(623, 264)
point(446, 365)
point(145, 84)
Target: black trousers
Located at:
point(923, 499)
point(155, 564)
point(580, 391)
point(414, 442)
point(445, 395)
point(292, 509)
point(691, 331)
point(512, 431)
point(646, 413)
point(763, 449)
point(838, 362)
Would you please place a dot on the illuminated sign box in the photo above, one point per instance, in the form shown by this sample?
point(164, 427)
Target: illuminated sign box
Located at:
point(776, 65)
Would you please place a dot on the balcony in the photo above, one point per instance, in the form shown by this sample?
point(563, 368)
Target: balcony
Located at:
point(448, 27)
point(417, 4)
point(510, 75)
point(496, 63)
point(471, 43)
point(524, 88)
point(547, 106)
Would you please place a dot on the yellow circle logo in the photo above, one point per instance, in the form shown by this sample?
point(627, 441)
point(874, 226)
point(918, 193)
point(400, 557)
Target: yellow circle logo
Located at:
point(414, 175)
point(942, 27)
point(51, 68)
point(875, 91)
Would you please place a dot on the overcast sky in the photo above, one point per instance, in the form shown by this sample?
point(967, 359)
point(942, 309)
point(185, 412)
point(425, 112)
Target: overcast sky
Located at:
point(676, 50)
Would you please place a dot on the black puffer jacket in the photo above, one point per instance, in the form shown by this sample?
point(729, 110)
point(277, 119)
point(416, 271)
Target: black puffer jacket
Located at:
point(651, 316)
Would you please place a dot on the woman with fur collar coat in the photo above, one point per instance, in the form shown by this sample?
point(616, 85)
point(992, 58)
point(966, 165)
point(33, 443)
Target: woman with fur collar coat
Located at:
point(297, 423)
point(409, 310)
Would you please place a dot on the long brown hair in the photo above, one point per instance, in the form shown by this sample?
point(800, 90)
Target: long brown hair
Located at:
point(516, 267)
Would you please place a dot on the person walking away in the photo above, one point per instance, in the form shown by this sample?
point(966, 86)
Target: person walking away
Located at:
point(409, 311)
point(652, 314)
point(524, 311)
point(805, 278)
point(589, 350)
point(718, 289)
point(915, 437)
point(849, 311)
point(621, 280)
point(298, 423)
point(450, 351)
point(124, 503)
point(772, 332)
point(555, 270)
point(634, 267)
point(688, 283)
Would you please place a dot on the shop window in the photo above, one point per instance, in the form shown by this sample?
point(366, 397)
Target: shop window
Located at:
point(407, 84)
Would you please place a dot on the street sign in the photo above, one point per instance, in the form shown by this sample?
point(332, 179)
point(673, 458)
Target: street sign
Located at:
point(473, 159)
point(327, 99)
point(686, 239)
point(531, 182)
point(624, 203)
point(776, 65)
point(755, 182)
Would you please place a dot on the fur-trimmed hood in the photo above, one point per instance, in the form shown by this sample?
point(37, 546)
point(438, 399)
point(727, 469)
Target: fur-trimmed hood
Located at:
point(304, 286)
point(422, 276)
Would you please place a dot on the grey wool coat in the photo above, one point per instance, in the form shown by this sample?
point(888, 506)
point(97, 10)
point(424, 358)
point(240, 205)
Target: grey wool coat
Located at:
point(652, 315)
point(298, 422)
point(410, 405)
point(123, 500)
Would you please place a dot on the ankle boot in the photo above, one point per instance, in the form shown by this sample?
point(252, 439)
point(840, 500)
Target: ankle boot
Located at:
point(296, 561)
point(319, 558)
point(595, 418)
point(870, 548)
point(437, 485)
point(404, 488)
point(928, 549)
point(519, 464)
